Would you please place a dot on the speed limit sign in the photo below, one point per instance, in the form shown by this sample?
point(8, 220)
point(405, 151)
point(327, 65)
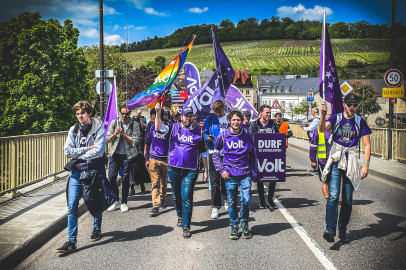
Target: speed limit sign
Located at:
point(393, 77)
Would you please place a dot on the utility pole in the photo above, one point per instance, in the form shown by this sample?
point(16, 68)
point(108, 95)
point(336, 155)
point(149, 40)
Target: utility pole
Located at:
point(102, 84)
point(392, 65)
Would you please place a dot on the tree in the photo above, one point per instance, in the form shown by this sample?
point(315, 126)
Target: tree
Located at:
point(138, 80)
point(113, 60)
point(291, 109)
point(304, 106)
point(157, 65)
point(41, 74)
point(369, 98)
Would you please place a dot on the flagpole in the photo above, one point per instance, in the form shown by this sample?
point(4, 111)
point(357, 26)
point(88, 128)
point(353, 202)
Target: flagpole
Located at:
point(324, 57)
point(115, 94)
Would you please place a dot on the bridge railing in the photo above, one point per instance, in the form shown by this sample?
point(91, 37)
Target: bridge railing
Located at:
point(379, 141)
point(27, 159)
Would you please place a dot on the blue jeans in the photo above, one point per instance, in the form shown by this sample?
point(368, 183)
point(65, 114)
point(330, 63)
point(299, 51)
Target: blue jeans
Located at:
point(115, 163)
point(74, 195)
point(245, 190)
point(183, 184)
point(332, 201)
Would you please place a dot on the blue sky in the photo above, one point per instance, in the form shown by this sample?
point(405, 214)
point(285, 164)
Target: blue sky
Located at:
point(147, 18)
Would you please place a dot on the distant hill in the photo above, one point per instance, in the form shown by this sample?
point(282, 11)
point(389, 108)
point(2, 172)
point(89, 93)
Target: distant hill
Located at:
point(284, 56)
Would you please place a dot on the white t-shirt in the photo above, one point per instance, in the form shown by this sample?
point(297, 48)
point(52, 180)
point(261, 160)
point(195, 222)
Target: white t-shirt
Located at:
point(223, 123)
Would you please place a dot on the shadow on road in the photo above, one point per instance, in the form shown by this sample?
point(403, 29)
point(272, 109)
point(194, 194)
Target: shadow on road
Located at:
point(269, 229)
point(118, 236)
point(388, 225)
point(298, 202)
point(362, 202)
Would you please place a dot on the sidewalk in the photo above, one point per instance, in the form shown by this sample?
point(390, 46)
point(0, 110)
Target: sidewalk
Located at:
point(388, 170)
point(39, 212)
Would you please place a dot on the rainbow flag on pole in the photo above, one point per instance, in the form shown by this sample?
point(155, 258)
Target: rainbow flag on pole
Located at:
point(163, 82)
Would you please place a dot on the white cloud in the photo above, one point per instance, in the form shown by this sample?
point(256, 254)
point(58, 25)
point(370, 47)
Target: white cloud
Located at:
point(90, 33)
point(85, 22)
point(139, 3)
point(198, 10)
point(152, 11)
point(300, 12)
point(116, 27)
point(113, 40)
point(140, 27)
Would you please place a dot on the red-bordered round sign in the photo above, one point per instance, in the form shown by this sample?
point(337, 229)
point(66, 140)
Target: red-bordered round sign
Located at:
point(393, 77)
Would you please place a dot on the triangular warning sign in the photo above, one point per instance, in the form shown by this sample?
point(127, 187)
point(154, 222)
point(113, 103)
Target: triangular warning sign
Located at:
point(276, 105)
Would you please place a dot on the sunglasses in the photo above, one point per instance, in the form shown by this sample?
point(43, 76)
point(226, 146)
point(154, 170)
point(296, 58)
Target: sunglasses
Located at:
point(125, 114)
point(355, 105)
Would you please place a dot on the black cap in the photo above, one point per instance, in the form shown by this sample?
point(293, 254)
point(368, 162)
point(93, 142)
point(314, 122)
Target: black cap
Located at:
point(351, 98)
point(246, 113)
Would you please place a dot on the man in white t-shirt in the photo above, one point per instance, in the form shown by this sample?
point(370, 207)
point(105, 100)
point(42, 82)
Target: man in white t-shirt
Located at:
point(214, 124)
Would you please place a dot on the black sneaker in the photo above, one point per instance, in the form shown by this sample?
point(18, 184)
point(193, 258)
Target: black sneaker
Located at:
point(234, 233)
point(142, 189)
point(154, 212)
point(162, 205)
point(186, 233)
point(96, 235)
point(67, 248)
point(343, 237)
point(131, 193)
point(329, 236)
point(262, 206)
point(272, 205)
point(179, 223)
point(246, 234)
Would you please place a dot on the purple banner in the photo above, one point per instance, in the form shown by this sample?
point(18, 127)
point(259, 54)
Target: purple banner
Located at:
point(238, 102)
point(271, 156)
point(111, 112)
point(192, 78)
point(201, 100)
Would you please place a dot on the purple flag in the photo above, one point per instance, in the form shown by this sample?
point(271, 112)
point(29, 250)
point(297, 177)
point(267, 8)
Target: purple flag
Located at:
point(238, 102)
point(200, 102)
point(332, 84)
point(192, 78)
point(271, 156)
point(224, 69)
point(111, 112)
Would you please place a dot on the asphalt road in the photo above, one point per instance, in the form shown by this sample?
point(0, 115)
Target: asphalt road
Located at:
point(134, 240)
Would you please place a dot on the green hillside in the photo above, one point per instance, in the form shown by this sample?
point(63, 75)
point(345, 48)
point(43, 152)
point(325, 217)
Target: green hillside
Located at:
point(281, 55)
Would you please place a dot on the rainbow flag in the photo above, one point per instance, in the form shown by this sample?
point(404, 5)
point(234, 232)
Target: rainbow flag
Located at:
point(163, 82)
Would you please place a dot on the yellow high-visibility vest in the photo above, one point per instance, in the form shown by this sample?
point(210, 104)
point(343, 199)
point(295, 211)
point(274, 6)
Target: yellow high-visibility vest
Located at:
point(321, 146)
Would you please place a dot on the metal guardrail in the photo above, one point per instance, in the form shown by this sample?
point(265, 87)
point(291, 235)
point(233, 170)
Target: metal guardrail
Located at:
point(27, 159)
point(379, 141)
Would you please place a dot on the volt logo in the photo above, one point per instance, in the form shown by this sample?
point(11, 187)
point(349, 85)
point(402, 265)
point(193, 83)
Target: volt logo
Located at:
point(192, 86)
point(158, 135)
point(270, 166)
point(235, 145)
point(204, 100)
point(185, 138)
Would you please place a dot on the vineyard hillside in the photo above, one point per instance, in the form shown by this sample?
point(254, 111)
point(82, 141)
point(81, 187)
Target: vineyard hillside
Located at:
point(281, 55)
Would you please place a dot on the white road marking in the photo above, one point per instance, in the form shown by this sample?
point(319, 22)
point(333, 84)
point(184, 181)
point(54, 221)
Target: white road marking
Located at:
point(310, 243)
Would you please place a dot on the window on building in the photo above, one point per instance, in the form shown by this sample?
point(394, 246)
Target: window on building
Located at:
point(290, 88)
point(247, 92)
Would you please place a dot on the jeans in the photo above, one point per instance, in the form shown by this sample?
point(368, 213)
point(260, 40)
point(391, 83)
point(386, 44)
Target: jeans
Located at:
point(218, 188)
point(332, 201)
point(115, 162)
point(261, 192)
point(74, 195)
point(245, 190)
point(183, 183)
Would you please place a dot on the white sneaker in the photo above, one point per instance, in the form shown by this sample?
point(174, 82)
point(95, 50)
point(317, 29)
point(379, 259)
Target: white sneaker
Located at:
point(214, 213)
point(114, 206)
point(124, 208)
point(226, 205)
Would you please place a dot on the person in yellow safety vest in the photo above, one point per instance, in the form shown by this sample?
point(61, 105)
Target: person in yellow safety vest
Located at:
point(319, 150)
point(283, 127)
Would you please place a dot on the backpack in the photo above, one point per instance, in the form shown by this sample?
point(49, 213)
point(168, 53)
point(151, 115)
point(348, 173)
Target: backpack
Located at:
point(337, 125)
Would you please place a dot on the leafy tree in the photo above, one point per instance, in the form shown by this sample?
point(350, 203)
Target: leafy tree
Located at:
point(304, 106)
point(41, 74)
point(138, 80)
point(368, 99)
point(113, 60)
point(157, 65)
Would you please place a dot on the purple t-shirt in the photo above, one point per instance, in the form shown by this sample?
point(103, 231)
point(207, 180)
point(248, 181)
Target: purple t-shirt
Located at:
point(236, 150)
point(346, 134)
point(160, 142)
point(268, 128)
point(184, 147)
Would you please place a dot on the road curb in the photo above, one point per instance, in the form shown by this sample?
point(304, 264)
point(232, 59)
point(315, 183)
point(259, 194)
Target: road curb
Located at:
point(371, 171)
point(16, 256)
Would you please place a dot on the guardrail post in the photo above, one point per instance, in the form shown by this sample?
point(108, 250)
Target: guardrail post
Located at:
point(13, 167)
point(54, 157)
